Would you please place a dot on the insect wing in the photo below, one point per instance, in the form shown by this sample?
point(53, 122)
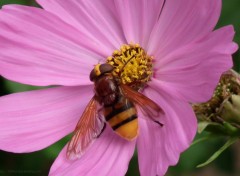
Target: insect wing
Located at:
point(148, 107)
point(88, 128)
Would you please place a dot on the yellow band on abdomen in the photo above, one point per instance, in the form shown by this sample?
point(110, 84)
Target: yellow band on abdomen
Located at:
point(129, 130)
point(118, 118)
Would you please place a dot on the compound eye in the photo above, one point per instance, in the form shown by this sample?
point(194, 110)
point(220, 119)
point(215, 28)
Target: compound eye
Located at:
point(106, 68)
point(92, 75)
point(100, 70)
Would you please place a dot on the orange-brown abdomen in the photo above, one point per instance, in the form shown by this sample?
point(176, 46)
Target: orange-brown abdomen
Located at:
point(122, 117)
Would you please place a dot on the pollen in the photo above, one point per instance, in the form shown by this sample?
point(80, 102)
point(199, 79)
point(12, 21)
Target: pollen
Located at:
point(131, 65)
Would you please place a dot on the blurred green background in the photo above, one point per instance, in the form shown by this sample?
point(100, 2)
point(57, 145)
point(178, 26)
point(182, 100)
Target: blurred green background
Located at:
point(228, 164)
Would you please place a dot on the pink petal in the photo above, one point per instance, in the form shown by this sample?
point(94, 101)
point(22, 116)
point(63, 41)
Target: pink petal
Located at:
point(38, 48)
point(182, 22)
point(33, 120)
point(160, 147)
point(138, 17)
point(96, 19)
point(193, 71)
point(108, 155)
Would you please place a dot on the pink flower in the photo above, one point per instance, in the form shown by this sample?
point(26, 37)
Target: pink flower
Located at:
point(60, 44)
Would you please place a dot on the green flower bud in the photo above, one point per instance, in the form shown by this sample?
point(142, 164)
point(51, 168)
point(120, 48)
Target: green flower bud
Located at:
point(230, 109)
point(222, 111)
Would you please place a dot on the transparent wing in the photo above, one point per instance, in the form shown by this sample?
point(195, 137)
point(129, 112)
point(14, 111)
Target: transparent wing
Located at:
point(148, 107)
point(88, 128)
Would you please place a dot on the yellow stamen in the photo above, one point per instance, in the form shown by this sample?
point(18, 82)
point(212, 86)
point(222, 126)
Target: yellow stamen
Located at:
point(132, 65)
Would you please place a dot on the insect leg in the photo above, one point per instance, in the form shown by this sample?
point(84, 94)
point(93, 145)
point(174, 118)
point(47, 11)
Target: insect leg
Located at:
point(159, 123)
point(104, 126)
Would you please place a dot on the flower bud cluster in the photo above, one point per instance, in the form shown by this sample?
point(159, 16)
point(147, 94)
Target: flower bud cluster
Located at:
point(224, 106)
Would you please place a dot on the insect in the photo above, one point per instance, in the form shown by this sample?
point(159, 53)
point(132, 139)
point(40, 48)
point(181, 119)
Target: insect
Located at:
point(118, 103)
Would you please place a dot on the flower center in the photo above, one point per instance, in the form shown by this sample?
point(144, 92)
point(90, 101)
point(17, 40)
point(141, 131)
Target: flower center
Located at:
point(131, 65)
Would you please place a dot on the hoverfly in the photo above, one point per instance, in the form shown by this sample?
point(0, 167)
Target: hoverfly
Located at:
point(118, 103)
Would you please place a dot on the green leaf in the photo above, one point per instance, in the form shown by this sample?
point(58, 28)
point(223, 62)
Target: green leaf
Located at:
point(17, 87)
point(213, 127)
point(3, 2)
point(202, 126)
point(217, 153)
point(233, 131)
point(204, 138)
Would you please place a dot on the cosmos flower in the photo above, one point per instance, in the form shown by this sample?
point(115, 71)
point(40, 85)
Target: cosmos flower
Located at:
point(60, 44)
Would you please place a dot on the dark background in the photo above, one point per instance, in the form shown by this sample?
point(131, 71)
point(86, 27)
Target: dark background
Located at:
point(228, 164)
